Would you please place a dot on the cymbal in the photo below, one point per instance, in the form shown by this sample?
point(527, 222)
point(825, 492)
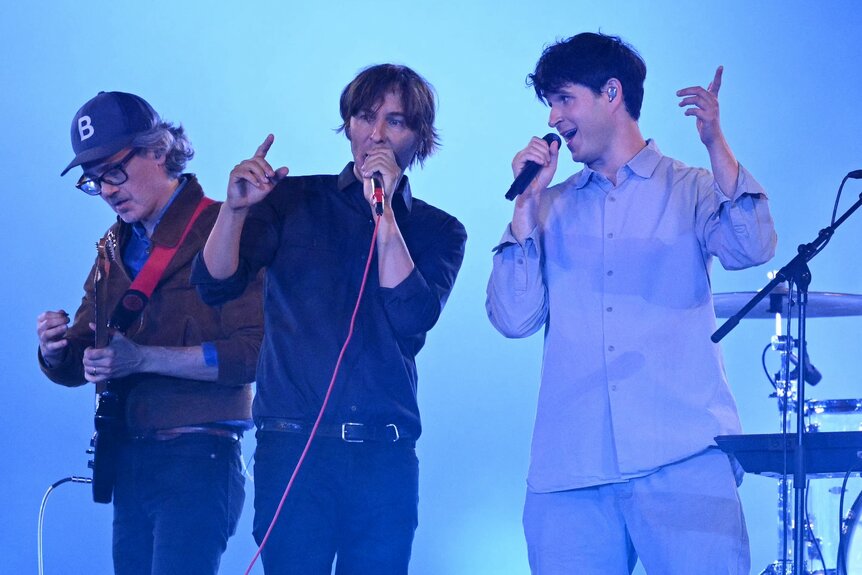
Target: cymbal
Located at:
point(820, 304)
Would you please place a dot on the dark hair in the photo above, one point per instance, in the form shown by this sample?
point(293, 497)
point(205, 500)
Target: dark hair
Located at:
point(168, 141)
point(591, 60)
point(369, 89)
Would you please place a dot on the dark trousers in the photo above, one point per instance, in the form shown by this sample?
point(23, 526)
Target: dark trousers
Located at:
point(358, 501)
point(176, 503)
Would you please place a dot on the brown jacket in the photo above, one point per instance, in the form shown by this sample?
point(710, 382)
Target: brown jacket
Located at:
point(175, 317)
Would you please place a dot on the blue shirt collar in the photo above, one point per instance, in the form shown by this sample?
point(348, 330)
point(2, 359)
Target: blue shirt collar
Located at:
point(643, 164)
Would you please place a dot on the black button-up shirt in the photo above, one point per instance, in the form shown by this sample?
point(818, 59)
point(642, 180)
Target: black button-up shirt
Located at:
point(312, 234)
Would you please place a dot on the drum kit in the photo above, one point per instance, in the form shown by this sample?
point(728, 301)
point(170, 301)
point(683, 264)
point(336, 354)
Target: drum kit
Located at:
point(831, 460)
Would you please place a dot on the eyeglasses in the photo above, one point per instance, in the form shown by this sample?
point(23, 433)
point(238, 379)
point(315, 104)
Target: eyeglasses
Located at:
point(114, 175)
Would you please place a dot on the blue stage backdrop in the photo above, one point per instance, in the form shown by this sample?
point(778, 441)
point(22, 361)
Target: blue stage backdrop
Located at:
point(232, 72)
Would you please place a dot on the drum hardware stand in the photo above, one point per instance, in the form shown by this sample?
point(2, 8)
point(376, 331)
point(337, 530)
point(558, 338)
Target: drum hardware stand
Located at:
point(785, 393)
point(798, 275)
point(785, 382)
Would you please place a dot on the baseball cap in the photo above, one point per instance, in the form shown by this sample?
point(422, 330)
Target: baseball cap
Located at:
point(107, 124)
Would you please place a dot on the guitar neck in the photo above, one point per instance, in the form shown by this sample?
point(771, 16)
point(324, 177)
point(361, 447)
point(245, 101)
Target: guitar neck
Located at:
point(100, 312)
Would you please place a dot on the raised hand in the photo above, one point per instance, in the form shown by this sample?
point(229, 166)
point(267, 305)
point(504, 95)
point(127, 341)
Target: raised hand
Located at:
point(545, 155)
point(538, 150)
point(704, 106)
point(251, 180)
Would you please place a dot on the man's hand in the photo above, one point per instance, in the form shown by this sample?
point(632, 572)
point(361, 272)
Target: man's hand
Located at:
point(704, 104)
point(538, 150)
point(381, 159)
point(251, 180)
point(51, 328)
point(121, 357)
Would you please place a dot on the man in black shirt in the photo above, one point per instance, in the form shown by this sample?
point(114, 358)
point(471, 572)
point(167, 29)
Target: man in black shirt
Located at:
point(357, 493)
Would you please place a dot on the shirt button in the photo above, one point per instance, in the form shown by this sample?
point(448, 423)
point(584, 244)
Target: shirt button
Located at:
point(609, 309)
point(353, 408)
point(610, 272)
point(611, 348)
point(521, 260)
point(613, 388)
point(612, 198)
point(610, 236)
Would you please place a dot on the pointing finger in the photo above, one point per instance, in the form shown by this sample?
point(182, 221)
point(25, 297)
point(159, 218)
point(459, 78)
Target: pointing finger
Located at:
point(715, 85)
point(264, 147)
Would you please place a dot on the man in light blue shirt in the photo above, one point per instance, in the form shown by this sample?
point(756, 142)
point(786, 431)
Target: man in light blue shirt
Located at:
point(614, 265)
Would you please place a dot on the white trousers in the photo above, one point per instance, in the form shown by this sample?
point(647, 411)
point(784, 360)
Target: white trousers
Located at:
point(684, 519)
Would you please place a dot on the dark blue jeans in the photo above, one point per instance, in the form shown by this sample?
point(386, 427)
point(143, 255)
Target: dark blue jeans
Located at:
point(358, 501)
point(176, 503)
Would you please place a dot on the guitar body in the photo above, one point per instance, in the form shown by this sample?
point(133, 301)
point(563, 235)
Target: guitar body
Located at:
point(109, 420)
point(105, 444)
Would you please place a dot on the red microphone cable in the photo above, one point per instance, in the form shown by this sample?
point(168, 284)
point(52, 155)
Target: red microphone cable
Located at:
point(325, 399)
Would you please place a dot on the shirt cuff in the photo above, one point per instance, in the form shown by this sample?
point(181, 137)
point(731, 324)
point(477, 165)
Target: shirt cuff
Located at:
point(210, 354)
point(509, 239)
point(414, 284)
point(214, 291)
point(746, 185)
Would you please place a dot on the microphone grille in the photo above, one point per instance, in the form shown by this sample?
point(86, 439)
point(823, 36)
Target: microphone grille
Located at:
point(551, 138)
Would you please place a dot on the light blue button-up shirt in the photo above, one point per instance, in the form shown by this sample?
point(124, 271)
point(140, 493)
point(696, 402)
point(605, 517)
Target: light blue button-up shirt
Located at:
point(618, 276)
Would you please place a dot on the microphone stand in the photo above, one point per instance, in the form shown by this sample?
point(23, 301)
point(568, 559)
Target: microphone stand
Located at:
point(796, 272)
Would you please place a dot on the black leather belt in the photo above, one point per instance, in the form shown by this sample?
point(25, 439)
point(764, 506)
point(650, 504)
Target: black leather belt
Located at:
point(175, 432)
point(348, 432)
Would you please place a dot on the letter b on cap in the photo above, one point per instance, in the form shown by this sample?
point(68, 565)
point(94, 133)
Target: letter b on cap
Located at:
point(85, 127)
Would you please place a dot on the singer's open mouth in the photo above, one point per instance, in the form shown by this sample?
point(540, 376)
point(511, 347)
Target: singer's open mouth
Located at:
point(570, 134)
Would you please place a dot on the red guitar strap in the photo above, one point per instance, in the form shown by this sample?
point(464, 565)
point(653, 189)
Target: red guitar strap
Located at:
point(136, 297)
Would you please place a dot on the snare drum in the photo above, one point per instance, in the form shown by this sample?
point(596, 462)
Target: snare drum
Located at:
point(833, 415)
point(824, 495)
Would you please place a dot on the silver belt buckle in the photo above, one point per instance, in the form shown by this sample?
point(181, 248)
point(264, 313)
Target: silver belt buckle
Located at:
point(344, 432)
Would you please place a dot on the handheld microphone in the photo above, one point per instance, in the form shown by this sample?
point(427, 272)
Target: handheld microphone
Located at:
point(377, 187)
point(529, 172)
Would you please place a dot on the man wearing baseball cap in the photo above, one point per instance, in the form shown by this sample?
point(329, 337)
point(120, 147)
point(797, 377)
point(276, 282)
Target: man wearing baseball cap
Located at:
point(179, 371)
